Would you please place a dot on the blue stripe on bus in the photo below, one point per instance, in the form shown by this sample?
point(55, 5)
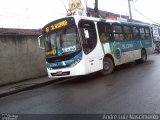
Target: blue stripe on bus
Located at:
point(117, 48)
point(65, 63)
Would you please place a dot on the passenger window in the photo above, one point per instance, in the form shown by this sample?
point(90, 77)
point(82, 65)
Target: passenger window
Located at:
point(148, 35)
point(135, 33)
point(142, 33)
point(104, 30)
point(118, 32)
point(127, 32)
point(89, 42)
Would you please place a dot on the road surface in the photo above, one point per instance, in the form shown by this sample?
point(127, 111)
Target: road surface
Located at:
point(131, 88)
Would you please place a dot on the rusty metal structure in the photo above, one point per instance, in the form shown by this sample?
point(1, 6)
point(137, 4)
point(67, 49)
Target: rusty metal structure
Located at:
point(76, 7)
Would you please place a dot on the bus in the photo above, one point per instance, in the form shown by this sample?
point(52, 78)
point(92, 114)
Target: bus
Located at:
point(80, 45)
point(156, 36)
point(156, 32)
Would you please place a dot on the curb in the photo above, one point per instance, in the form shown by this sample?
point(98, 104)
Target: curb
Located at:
point(24, 87)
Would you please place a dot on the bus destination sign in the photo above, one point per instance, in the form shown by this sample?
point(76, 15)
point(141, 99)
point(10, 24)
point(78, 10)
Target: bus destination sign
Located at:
point(56, 26)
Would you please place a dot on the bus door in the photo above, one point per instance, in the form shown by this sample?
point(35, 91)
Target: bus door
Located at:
point(92, 52)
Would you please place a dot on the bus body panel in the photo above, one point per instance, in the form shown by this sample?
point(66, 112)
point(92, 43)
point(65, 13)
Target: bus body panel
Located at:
point(94, 60)
point(121, 51)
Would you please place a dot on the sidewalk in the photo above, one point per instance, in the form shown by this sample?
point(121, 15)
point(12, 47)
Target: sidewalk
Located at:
point(24, 85)
point(30, 84)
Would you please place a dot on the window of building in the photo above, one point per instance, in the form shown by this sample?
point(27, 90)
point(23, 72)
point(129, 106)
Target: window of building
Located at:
point(159, 31)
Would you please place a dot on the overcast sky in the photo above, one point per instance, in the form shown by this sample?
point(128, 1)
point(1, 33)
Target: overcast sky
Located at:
point(35, 14)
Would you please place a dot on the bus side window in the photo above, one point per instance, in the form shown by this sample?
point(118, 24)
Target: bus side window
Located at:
point(142, 33)
point(127, 32)
point(135, 33)
point(159, 31)
point(117, 32)
point(88, 35)
point(104, 30)
point(148, 35)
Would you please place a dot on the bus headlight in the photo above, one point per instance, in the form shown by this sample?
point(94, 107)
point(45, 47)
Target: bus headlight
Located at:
point(50, 68)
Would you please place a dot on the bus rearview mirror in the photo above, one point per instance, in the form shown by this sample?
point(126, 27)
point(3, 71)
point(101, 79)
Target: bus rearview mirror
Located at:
point(41, 42)
point(86, 34)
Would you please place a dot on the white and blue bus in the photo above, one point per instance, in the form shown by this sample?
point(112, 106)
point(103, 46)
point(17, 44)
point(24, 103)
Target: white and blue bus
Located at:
point(79, 45)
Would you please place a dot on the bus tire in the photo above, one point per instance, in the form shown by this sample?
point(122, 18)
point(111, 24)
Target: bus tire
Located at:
point(108, 66)
point(143, 56)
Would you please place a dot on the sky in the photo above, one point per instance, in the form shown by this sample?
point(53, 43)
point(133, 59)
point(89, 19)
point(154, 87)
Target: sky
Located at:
point(34, 14)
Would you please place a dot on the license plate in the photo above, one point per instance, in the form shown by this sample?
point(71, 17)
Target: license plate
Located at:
point(59, 73)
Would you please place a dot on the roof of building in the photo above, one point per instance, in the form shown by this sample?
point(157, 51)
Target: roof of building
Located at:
point(14, 31)
point(106, 14)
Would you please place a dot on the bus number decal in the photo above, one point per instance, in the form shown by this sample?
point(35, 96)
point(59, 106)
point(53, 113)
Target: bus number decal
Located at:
point(69, 49)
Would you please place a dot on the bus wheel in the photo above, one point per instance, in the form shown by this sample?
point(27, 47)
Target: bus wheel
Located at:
point(108, 66)
point(143, 56)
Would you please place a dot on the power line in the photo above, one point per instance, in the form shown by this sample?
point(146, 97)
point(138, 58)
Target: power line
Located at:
point(65, 7)
point(134, 2)
point(145, 16)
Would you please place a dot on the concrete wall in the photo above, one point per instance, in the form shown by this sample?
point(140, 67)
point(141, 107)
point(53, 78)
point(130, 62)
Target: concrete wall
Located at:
point(20, 58)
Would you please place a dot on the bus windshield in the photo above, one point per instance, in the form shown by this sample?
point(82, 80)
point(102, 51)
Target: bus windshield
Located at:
point(62, 42)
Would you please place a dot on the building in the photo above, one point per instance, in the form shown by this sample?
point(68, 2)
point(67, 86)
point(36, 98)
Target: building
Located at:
point(13, 31)
point(107, 15)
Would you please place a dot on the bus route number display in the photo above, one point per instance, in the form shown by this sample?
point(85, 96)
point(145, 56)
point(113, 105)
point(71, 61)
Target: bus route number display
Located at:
point(56, 26)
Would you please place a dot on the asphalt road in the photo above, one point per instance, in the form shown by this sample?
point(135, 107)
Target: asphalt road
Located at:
point(131, 88)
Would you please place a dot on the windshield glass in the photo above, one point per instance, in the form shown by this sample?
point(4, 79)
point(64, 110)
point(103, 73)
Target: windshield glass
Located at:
point(62, 42)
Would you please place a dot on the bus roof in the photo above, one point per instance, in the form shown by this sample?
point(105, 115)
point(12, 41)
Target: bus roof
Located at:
point(104, 20)
point(112, 21)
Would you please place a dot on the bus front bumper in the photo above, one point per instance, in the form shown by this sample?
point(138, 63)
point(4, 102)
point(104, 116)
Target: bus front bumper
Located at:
point(67, 72)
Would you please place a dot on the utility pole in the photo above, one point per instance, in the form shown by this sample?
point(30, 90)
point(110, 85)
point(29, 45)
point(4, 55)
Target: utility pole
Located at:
point(76, 7)
point(130, 13)
point(96, 8)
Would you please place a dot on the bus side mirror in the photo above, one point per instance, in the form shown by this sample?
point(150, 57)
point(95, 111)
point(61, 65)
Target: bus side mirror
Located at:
point(41, 42)
point(86, 33)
